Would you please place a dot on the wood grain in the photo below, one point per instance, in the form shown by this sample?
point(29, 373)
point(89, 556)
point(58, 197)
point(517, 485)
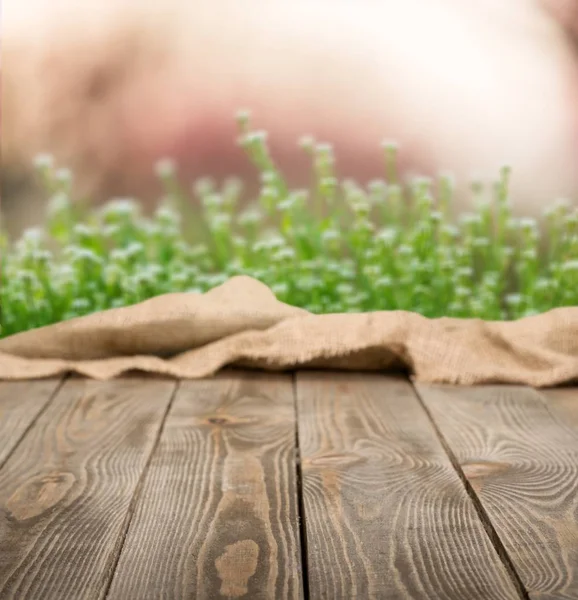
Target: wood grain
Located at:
point(521, 459)
point(20, 404)
point(65, 492)
point(218, 516)
point(563, 402)
point(386, 514)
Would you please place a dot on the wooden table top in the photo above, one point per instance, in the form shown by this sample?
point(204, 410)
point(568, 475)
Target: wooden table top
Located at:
point(307, 485)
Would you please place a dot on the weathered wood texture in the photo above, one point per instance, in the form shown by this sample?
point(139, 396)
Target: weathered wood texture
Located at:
point(520, 455)
point(563, 403)
point(66, 491)
point(386, 514)
point(218, 516)
point(102, 495)
point(20, 404)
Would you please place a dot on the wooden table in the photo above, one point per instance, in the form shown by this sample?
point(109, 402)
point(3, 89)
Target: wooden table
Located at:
point(316, 485)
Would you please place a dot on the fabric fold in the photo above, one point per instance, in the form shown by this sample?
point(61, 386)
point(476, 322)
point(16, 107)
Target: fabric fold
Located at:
point(241, 323)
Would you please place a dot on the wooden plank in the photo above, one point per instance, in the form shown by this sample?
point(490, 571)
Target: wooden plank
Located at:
point(65, 493)
point(563, 402)
point(521, 460)
point(20, 404)
point(386, 514)
point(219, 513)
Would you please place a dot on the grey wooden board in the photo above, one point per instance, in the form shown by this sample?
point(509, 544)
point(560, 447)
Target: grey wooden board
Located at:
point(521, 458)
point(386, 514)
point(20, 404)
point(218, 512)
point(66, 492)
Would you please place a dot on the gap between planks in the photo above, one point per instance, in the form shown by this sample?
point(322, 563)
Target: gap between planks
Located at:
point(65, 492)
point(517, 447)
point(300, 476)
point(23, 415)
point(387, 515)
point(300, 504)
point(218, 511)
point(138, 489)
point(481, 511)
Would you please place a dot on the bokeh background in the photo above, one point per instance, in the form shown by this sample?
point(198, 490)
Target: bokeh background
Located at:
point(109, 87)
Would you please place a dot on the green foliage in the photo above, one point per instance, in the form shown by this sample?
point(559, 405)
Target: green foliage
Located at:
point(336, 247)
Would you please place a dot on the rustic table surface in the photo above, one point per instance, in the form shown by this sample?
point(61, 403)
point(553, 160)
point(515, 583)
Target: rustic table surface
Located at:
point(312, 485)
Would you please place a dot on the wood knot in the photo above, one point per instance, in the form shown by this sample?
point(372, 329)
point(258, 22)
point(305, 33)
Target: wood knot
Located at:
point(228, 420)
point(39, 494)
point(217, 420)
point(482, 468)
point(333, 459)
point(236, 566)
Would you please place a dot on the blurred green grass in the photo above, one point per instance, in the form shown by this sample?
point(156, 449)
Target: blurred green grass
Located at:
point(337, 247)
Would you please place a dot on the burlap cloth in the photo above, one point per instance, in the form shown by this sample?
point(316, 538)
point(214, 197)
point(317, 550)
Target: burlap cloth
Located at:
point(241, 323)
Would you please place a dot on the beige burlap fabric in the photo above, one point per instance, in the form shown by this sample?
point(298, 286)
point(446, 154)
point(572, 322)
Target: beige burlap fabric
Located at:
point(242, 323)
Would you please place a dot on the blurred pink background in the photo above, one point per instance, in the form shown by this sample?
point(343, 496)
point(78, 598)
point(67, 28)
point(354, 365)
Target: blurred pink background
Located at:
point(109, 87)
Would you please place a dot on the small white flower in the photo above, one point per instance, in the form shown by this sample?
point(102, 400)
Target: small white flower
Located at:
point(465, 272)
point(330, 235)
point(345, 289)
point(390, 145)
point(307, 142)
point(270, 192)
point(280, 288)
point(63, 175)
point(387, 236)
point(451, 231)
point(243, 116)
point(384, 282)
point(250, 217)
point(268, 177)
point(530, 254)
point(324, 148)
point(471, 219)
point(542, 284)
point(121, 207)
point(422, 182)
point(480, 242)
point(372, 271)
point(59, 202)
point(404, 250)
point(528, 224)
point(165, 168)
point(571, 265)
point(80, 304)
point(377, 186)
point(44, 161)
point(220, 222)
point(83, 230)
point(514, 299)
point(328, 182)
point(203, 186)
point(168, 214)
point(256, 137)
